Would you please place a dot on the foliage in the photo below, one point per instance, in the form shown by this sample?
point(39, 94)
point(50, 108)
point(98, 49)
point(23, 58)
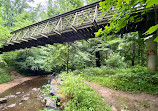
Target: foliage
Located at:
point(29, 61)
point(81, 97)
point(4, 76)
point(151, 29)
point(115, 60)
point(135, 79)
point(13, 8)
point(9, 58)
point(46, 89)
point(4, 32)
point(96, 71)
point(22, 20)
point(123, 14)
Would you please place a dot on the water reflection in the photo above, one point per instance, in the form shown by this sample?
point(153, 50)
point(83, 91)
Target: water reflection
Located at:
point(25, 96)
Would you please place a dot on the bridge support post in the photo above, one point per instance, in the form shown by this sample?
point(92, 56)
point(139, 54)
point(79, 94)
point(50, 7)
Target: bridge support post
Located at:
point(152, 54)
point(97, 54)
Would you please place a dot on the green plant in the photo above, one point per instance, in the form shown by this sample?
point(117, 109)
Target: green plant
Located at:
point(115, 60)
point(134, 79)
point(4, 76)
point(46, 89)
point(124, 107)
point(81, 97)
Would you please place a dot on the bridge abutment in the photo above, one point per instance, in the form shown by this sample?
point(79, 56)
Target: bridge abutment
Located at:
point(152, 60)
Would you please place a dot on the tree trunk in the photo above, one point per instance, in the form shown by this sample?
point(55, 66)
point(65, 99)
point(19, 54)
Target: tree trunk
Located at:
point(97, 54)
point(152, 54)
point(133, 57)
point(139, 53)
point(67, 62)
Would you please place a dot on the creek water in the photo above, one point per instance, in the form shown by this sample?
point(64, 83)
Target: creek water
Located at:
point(25, 96)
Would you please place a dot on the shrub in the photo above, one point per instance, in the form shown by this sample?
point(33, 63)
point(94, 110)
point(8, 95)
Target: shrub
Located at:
point(115, 60)
point(4, 76)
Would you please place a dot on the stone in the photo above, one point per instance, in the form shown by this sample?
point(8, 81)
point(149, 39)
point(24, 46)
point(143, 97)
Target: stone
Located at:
point(12, 105)
point(50, 103)
point(1, 106)
point(20, 103)
point(53, 92)
point(23, 83)
point(25, 99)
point(17, 93)
point(43, 101)
point(34, 89)
point(11, 96)
point(3, 100)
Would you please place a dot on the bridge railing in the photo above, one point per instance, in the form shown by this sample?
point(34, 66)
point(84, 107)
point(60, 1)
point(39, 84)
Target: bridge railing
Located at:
point(72, 20)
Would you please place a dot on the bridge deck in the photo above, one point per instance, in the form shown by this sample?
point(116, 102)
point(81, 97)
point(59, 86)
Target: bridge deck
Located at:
point(74, 25)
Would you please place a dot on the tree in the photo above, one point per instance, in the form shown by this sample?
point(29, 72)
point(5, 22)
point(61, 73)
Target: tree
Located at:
point(22, 20)
point(4, 32)
point(13, 8)
point(123, 14)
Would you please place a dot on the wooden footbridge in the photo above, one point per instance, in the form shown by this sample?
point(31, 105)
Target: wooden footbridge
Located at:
point(74, 25)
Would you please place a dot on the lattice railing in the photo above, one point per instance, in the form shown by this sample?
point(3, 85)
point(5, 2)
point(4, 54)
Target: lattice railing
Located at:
point(73, 20)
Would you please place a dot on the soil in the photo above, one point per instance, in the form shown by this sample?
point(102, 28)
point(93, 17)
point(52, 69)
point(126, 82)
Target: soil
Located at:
point(124, 101)
point(17, 79)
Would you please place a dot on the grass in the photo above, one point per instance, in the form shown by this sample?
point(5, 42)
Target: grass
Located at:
point(81, 97)
point(4, 76)
point(135, 79)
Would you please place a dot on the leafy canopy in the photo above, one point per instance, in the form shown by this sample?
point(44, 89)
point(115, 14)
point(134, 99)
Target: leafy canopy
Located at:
point(122, 14)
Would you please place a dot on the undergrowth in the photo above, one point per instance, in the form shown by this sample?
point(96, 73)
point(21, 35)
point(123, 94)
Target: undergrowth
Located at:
point(135, 79)
point(81, 97)
point(4, 76)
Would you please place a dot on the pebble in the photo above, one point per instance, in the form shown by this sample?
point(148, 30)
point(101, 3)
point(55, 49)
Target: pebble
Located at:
point(50, 103)
point(34, 89)
point(12, 105)
point(25, 98)
point(17, 93)
point(20, 103)
point(11, 96)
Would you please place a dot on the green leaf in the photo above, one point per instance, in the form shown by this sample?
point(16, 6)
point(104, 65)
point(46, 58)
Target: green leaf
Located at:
point(127, 1)
point(97, 34)
point(156, 39)
point(151, 3)
point(151, 29)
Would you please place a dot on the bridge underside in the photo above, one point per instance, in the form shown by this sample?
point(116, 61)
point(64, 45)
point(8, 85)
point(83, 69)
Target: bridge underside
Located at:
point(71, 32)
point(71, 36)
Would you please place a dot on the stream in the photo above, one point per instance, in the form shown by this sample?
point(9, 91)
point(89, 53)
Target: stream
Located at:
point(25, 96)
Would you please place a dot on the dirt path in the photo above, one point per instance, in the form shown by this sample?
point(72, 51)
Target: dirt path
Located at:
point(123, 101)
point(18, 79)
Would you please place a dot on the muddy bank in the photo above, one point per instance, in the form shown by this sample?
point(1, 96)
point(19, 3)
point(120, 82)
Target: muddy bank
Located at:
point(16, 81)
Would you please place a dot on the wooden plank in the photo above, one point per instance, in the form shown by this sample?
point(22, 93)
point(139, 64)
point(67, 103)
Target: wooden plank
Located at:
point(24, 40)
point(44, 35)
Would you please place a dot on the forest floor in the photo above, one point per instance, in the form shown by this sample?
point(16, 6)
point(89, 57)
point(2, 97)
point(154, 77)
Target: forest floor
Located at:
point(126, 101)
point(17, 79)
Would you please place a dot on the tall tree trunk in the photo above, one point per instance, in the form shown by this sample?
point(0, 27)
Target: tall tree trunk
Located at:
point(97, 54)
point(67, 61)
point(133, 57)
point(141, 56)
point(152, 54)
point(139, 53)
